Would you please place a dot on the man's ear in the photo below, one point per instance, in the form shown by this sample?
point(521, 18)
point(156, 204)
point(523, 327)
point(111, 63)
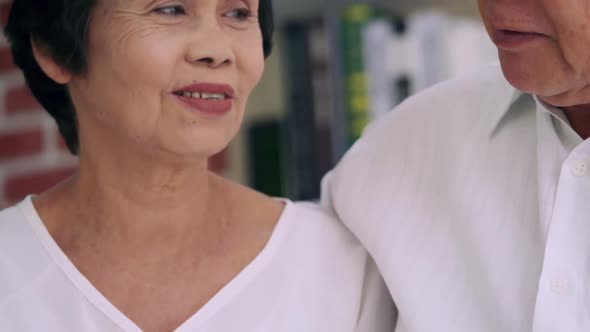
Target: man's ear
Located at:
point(48, 65)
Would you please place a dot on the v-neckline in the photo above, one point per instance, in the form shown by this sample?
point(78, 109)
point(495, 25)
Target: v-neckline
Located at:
point(200, 317)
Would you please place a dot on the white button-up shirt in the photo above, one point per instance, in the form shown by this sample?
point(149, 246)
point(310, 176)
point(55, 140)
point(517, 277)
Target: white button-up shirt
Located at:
point(474, 200)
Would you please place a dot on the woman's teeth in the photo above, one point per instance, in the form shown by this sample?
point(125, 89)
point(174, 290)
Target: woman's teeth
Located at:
point(204, 95)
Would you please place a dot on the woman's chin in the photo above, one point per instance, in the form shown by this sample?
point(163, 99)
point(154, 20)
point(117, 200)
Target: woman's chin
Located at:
point(190, 154)
point(196, 146)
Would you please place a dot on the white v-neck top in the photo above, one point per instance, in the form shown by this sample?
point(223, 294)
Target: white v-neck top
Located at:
point(313, 275)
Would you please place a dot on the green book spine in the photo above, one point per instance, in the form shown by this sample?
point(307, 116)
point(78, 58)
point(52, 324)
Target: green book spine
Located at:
point(356, 103)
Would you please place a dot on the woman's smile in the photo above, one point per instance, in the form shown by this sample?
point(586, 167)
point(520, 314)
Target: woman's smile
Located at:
point(208, 98)
point(187, 69)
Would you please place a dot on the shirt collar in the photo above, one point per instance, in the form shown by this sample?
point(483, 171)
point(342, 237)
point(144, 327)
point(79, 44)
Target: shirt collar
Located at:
point(559, 125)
point(507, 99)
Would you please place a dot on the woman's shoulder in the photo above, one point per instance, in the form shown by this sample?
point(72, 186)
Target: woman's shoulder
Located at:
point(4, 206)
point(315, 222)
point(16, 234)
point(7, 212)
point(302, 219)
point(250, 206)
point(311, 212)
point(8, 215)
point(13, 225)
point(22, 255)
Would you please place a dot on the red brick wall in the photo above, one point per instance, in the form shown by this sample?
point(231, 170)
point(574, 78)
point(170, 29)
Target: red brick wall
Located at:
point(32, 156)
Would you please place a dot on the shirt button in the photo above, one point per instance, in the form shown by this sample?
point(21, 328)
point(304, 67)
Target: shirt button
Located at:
point(558, 286)
point(579, 168)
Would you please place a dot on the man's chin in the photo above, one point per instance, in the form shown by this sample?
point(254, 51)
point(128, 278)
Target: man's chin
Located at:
point(566, 99)
point(538, 77)
point(519, 77)
point(526, 80)
point(550, 94)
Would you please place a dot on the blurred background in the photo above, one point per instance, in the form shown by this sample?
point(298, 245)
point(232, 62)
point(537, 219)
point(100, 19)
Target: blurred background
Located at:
point(337, 66)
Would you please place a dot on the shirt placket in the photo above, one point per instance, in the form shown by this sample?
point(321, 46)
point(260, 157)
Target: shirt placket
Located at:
point(563, 297)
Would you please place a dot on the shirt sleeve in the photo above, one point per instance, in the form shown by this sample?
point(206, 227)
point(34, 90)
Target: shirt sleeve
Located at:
point(341, 185)
point(342, 196)
point(348, 188)
point(377, 312)
point(326, 199)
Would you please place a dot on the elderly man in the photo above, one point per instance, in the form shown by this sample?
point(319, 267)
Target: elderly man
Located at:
point(474, 196)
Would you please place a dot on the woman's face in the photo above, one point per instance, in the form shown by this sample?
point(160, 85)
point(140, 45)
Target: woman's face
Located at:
point(168, 76)
point(543, 45)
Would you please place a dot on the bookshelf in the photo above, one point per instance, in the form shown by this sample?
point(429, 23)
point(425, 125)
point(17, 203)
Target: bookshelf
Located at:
point(271, 103)
point(288, 9)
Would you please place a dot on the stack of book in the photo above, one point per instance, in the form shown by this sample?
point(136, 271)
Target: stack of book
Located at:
point(344, 70)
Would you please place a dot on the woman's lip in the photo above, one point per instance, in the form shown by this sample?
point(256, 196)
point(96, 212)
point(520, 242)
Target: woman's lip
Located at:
point(210, 107)
point(225, 89)
point(514, 40)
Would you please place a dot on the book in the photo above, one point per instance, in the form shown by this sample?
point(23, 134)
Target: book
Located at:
point(323, 98)
point(301, 179)
point(371, 85)
point(356, 100)
point(265, 148)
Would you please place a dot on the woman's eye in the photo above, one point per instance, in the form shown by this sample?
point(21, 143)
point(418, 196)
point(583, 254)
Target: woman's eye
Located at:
point(241, 14)
point(171, 10)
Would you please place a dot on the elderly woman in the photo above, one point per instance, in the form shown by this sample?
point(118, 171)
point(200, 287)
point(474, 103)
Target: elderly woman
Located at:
point(144, 237)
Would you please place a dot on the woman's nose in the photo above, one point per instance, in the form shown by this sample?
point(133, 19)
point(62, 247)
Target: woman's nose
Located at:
point(211, 46)
point(213, 61)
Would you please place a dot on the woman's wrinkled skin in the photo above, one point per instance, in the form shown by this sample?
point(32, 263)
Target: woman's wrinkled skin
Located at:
point(140, 56)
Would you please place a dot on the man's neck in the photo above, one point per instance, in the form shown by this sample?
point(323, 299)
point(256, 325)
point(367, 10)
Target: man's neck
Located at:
point(579, 118)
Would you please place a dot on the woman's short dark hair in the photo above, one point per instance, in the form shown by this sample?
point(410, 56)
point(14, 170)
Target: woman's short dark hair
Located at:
point(61, 27)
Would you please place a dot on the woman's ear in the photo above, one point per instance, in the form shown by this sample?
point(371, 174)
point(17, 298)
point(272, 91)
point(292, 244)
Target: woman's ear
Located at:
point(48, 65)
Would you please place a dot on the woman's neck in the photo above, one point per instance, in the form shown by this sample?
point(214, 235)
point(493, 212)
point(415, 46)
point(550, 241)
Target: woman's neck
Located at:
point(142, 203)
